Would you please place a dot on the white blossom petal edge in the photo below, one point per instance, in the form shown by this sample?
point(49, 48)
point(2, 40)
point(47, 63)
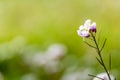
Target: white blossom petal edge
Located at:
point(104, 77)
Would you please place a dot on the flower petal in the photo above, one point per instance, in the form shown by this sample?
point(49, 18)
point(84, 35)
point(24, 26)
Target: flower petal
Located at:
point(81, 27)
point(93, 27)
point(87, 23)
point(104, 76)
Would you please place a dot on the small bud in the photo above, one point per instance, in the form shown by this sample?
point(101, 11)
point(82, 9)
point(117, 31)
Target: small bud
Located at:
point(93, 27)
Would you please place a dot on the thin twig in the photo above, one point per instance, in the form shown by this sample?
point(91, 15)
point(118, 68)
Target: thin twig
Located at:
point(95, 76)
point(99, 61)
point(99, 54)
point(89, 45)
point(103, 44)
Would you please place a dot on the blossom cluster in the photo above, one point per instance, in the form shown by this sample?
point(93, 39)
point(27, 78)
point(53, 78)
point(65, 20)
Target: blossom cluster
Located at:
point(84, 30)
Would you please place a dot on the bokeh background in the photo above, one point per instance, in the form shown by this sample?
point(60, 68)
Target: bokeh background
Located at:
point(38, 38)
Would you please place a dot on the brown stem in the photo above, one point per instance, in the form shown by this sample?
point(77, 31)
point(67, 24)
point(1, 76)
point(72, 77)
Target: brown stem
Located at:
point(99, 54)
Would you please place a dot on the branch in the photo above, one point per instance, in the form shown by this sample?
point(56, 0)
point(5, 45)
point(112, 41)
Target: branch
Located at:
point(95, 76)
point(99, 61)
point(89, 45)
point(103, 44)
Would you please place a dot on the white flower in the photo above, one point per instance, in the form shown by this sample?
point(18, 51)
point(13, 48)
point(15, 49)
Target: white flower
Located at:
point(84, 30)
point(56, 51)
point(49, 59)
point(104, 77)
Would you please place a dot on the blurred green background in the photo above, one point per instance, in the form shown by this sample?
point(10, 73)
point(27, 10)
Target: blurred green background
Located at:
point(31, 31)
